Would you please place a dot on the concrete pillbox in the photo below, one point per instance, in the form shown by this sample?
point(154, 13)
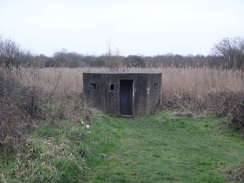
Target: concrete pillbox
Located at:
point(122, 93)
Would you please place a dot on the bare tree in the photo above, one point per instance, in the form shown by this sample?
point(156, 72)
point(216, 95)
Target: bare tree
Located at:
point(113, 59)
point(11, 55)
point(109, 54)
point(231, 52)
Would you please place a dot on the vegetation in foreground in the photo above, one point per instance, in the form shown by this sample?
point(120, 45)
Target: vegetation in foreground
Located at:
point(157, 148)
point(164, 148)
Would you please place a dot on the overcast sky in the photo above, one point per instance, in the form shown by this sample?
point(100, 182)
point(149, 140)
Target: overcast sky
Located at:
point(141, 27)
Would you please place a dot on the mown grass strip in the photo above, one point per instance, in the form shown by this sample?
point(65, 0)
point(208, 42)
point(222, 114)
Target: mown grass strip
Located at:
point(162, 148)
point(157, 148)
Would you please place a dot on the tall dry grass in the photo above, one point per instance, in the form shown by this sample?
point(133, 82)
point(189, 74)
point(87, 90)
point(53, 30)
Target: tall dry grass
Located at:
point(192, 85)
point(175, 81)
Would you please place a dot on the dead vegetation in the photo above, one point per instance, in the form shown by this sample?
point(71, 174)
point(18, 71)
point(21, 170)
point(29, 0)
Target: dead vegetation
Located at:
point(19, 111)
point(236, 173)
point(176, 81)
point(237, 117)
point(190, 91)
point(198, 89)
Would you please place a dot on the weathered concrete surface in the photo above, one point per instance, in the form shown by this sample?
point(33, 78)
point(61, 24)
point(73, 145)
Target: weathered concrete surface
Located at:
point(103, 91)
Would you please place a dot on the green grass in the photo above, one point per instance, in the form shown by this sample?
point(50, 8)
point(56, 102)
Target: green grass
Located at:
point(157, 148)
point(55, 152)
point(162, 148)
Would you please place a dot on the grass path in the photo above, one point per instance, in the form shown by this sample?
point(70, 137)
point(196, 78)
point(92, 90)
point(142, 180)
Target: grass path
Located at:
point(162, 148)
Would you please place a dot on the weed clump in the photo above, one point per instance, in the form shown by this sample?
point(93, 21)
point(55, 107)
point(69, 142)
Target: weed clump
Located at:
point(237, 117)
point(222, 103)
point(19, 109)
point(236, 173)
point(219, 103)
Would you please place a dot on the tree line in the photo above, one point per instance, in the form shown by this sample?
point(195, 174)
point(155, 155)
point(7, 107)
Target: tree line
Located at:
point(227, 54)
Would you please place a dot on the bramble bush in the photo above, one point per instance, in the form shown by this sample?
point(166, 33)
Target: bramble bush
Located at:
point(19, 109)
point(237, 117)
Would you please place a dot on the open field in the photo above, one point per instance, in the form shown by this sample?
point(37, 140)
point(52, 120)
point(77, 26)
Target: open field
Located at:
point(176, 81)
point(196, 89)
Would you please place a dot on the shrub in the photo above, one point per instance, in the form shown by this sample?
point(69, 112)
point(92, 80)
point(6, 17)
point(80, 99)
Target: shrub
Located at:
point(237, 117)
point(19, 108)
point(236, 173)
point(221, 103)
point(218, 103)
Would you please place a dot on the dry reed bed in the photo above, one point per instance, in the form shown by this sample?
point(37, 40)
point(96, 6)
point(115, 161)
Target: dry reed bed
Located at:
point(176, 82)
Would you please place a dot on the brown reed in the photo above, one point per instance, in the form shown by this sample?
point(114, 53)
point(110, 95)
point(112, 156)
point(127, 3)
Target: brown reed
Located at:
point(176, 82)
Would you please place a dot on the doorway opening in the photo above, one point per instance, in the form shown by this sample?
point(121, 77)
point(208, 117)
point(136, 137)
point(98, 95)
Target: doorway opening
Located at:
point(126, 97)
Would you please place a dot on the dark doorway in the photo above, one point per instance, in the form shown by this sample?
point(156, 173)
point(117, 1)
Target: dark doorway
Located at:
point(126, 97)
